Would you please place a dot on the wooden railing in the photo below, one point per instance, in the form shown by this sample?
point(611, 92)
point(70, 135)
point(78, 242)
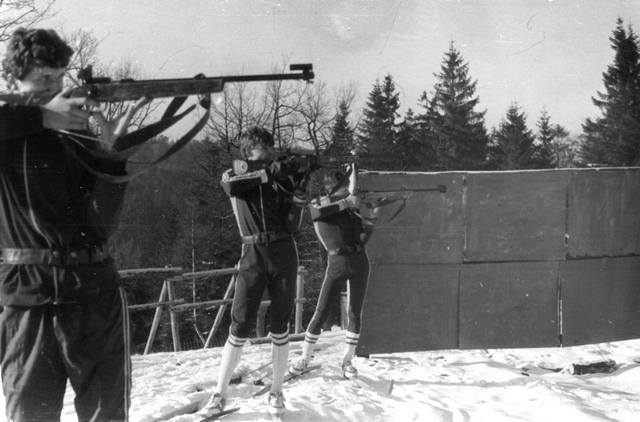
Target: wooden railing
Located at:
point(175, 306)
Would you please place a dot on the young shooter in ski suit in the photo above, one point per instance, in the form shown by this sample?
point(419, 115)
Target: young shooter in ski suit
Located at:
point(267, 215)
point(65, 315)
point(344, 233)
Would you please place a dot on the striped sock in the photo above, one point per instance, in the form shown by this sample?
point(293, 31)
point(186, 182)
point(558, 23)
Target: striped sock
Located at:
point(280, 356)
point(228, 362)
point(307, 348)
point(350, 346)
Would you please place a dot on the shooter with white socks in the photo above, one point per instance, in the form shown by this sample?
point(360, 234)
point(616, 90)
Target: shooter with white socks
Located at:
point(344, 232)
point(267, 214)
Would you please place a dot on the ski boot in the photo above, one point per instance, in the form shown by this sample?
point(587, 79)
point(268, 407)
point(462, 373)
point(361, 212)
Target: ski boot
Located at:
point(214, 406)
point(349, 371)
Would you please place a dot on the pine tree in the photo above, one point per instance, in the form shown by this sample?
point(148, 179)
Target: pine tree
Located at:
point(513, 145)
point(614, 138)
point(546, 137)
point(410, 150)
point(377, 131)
point(343, 135)
point(457, 131)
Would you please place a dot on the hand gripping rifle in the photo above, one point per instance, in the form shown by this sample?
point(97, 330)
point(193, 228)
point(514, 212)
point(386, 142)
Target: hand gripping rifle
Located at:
point(103, 89)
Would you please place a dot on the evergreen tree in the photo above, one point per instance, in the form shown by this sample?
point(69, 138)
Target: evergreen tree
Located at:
point(343, 135)
point(457, 131)
point(377, 132)
point(410, 149)
point(546, 137)
point(614, 138)
point(513, 145)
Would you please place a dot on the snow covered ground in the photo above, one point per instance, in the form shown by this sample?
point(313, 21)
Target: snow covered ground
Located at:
point(448, 385)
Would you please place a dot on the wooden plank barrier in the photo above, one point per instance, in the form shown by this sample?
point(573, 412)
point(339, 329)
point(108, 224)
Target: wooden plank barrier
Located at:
point(175, 306)
point(504, 259)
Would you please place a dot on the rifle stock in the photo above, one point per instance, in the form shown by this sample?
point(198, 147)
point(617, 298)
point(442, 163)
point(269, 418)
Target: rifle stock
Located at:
point(105, 90)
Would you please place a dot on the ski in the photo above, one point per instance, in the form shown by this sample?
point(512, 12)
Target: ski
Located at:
point(287, 378)
point(219, 415)
point(237, 379)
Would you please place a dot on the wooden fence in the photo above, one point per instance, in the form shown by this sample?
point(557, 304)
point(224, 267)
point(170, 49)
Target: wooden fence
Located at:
point(176, 306)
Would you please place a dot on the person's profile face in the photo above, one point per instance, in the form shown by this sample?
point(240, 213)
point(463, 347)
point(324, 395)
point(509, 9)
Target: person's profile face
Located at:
point(42, 79)
point(260, 153)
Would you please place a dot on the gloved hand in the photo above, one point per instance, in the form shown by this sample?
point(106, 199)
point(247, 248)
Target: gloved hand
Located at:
point(281, 169)
point(369, 214)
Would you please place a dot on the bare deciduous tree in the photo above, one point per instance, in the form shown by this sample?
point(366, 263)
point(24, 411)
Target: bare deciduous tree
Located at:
point(16, 13)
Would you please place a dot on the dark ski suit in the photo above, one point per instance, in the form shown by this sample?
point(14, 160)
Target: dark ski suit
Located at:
point(267, 219)
point(344, 236)
point(65, 314)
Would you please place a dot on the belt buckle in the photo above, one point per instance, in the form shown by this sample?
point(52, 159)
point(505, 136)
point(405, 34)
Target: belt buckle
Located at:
point(56, 257)
point(72, 258)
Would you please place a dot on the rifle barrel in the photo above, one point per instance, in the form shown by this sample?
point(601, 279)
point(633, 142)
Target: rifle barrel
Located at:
point(130, 90)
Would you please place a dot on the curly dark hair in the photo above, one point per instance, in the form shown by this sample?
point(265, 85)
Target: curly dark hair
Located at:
point(252, 137)
point(28, 49)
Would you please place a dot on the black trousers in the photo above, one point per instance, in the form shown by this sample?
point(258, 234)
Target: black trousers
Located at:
point(42, 347)
point(274, 267)
point(355, 268)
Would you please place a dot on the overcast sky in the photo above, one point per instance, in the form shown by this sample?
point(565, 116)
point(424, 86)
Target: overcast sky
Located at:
point(538, 53)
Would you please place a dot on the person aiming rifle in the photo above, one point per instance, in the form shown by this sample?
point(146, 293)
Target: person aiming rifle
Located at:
point(65, 314)
point(267, 202)
point(344, 231)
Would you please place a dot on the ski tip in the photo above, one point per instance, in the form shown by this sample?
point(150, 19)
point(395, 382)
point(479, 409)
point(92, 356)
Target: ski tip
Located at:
point(219, 415)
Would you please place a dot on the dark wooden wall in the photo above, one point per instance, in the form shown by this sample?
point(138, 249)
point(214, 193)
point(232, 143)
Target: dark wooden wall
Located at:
point(504, 260)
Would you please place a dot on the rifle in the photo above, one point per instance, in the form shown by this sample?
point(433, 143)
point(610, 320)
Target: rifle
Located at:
point(379, 198)
point(304, 161)
point(103, 89)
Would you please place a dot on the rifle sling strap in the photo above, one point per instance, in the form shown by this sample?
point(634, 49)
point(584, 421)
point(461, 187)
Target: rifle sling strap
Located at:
point(130, 143)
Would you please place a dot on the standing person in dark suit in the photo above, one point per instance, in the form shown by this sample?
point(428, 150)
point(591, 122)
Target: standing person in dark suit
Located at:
point(65, 315)
point(267, 213)
point(344, 232)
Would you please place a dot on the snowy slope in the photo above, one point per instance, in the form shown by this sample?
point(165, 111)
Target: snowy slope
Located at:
point(451, 385)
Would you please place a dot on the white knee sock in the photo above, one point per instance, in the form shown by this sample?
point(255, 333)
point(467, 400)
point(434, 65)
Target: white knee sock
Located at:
point(280, 355)
point(228, 362)
point(350, 346)
point(307, 347)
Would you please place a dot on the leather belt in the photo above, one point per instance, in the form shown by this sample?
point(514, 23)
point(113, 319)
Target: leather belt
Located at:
point(346, 250)
point(58, 257)
point(266, 237)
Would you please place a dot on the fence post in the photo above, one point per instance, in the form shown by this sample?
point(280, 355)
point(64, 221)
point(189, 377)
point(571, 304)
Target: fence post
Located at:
point(174, 318)
point(299, 295)
point(156, 319)
point(218, 320)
